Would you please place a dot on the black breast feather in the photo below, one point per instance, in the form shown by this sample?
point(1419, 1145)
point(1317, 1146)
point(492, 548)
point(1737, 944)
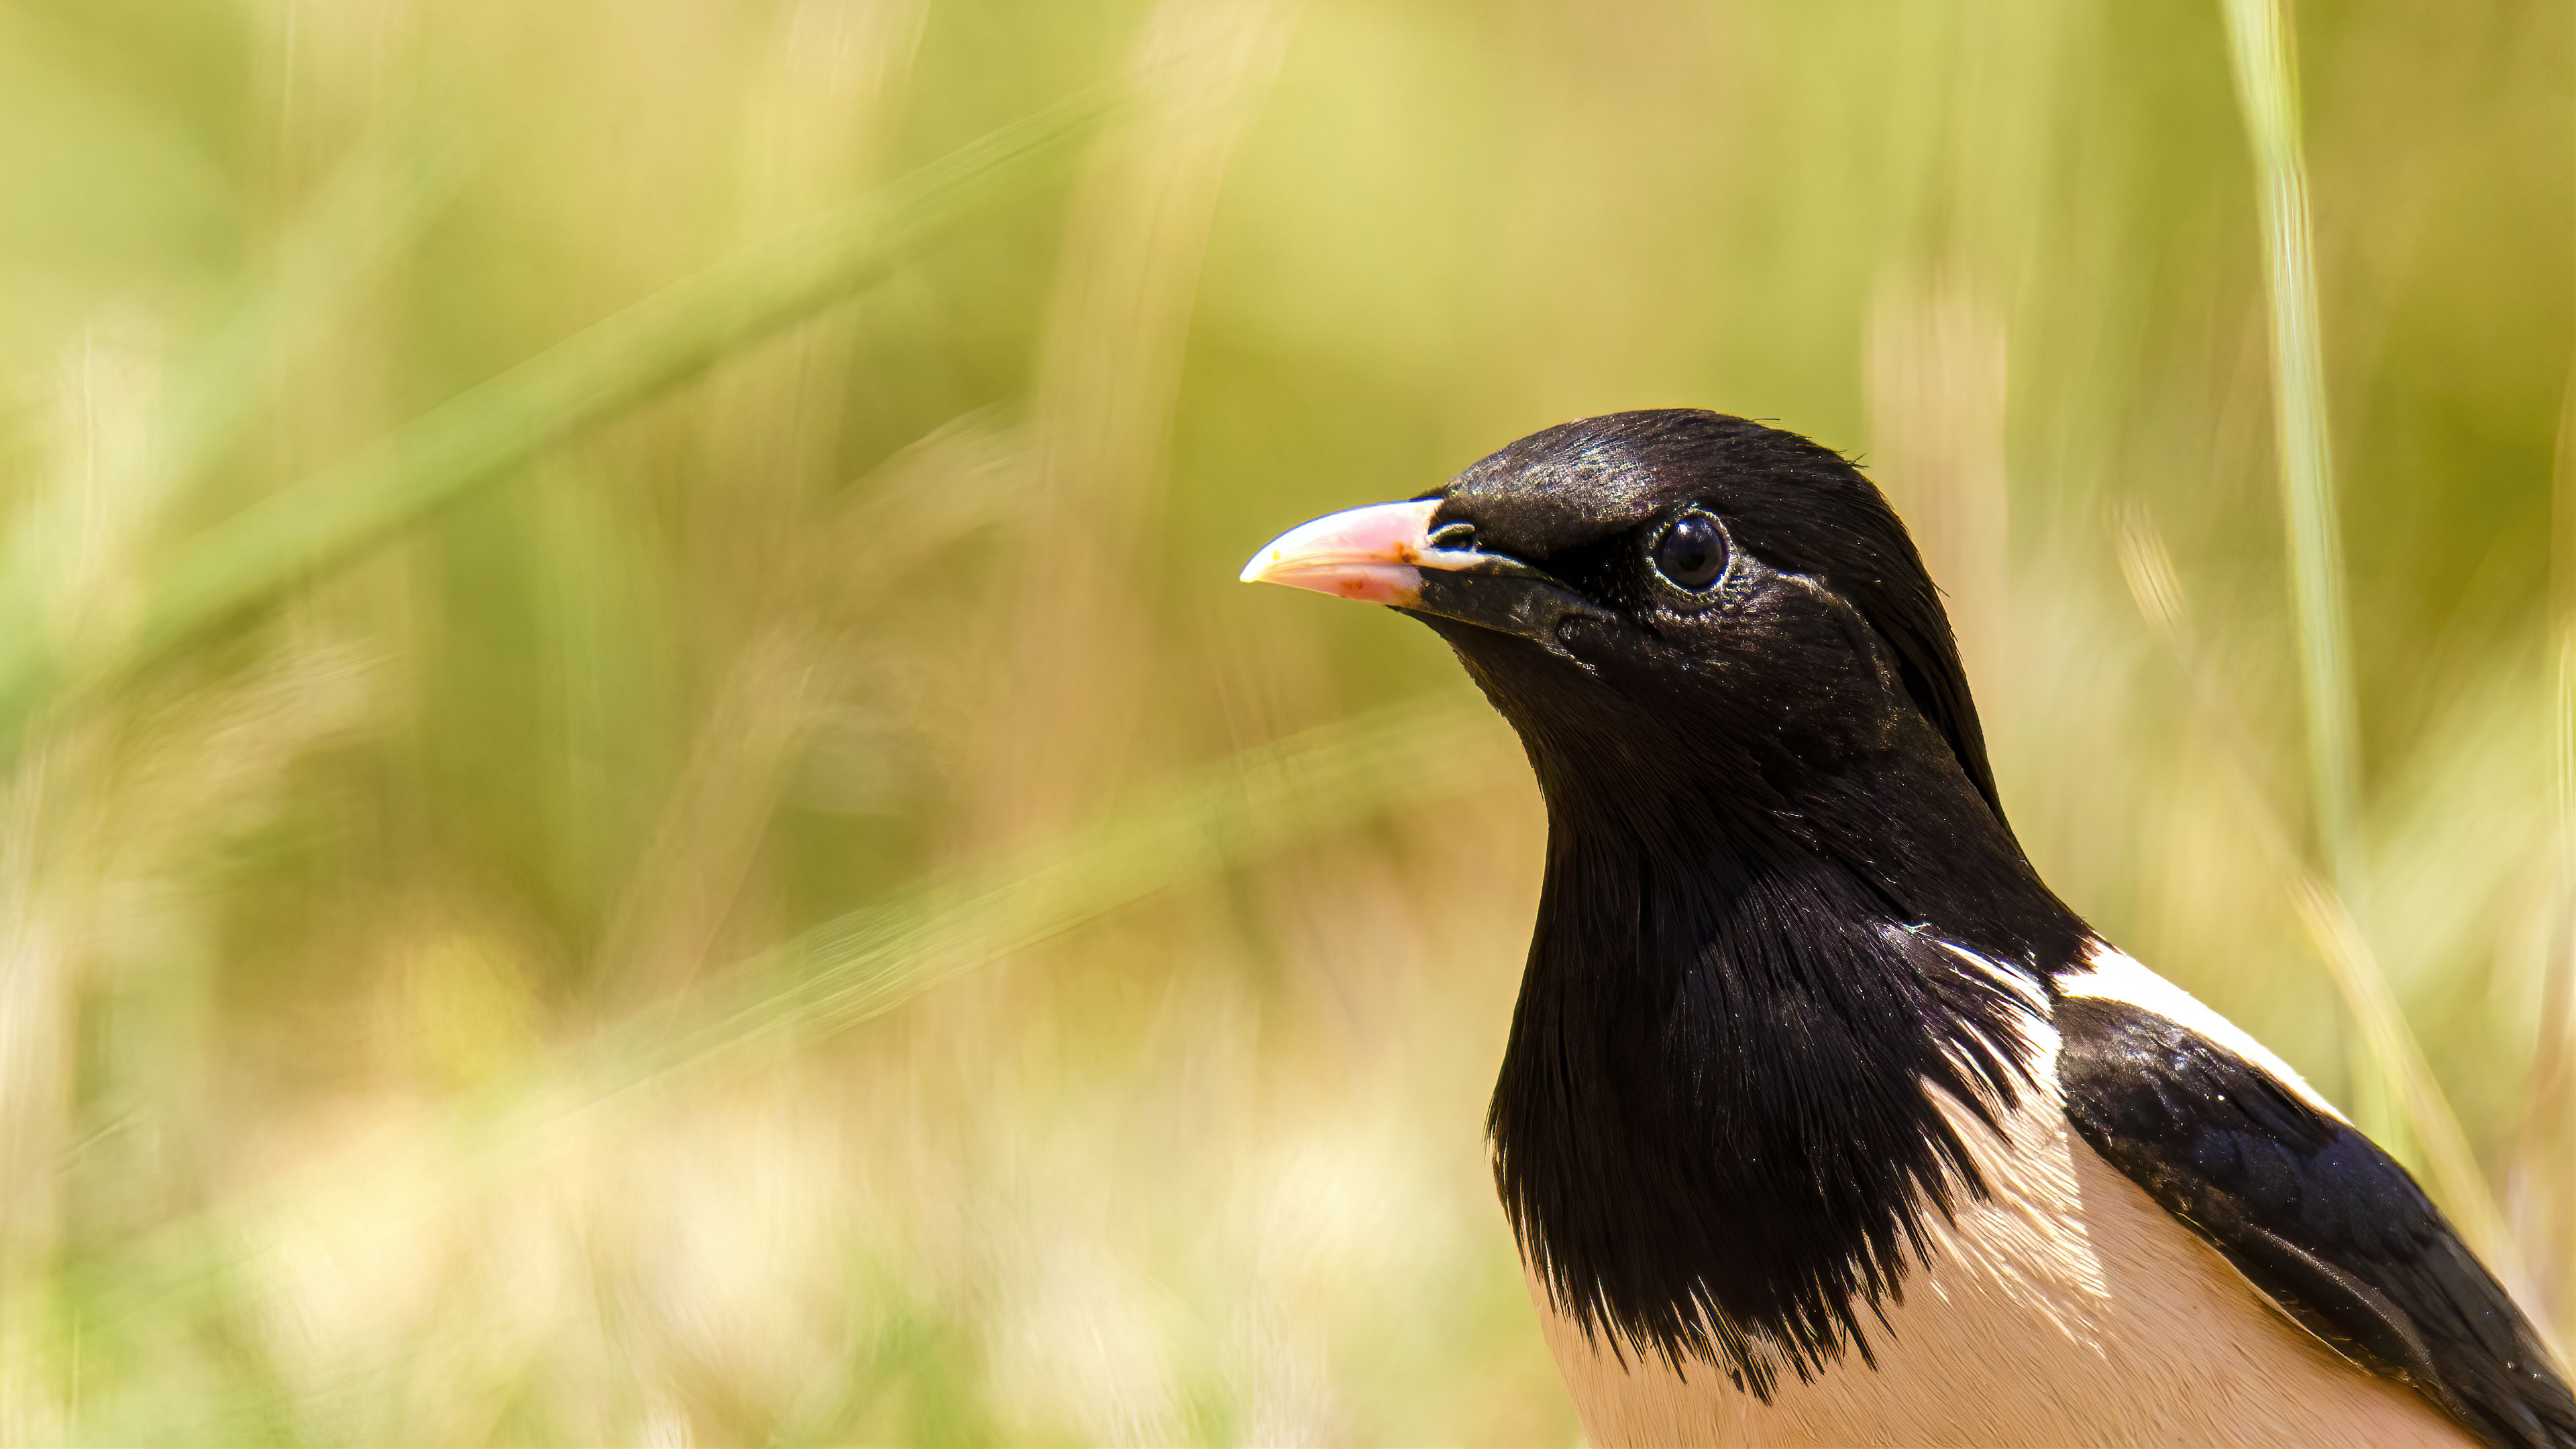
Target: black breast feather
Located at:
point(2313, 1213)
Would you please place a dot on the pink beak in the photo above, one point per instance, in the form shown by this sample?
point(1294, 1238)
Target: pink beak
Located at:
point(1375, 555)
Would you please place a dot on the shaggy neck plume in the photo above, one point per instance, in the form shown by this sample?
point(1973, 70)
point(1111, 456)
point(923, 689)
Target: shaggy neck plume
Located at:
point(1714, 1130)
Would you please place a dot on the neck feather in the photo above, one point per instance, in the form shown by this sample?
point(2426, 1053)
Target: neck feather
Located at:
point(1715, 1131)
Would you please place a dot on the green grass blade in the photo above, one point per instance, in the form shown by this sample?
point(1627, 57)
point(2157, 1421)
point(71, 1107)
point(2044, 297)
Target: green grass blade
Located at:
point(605, 369)
point(2267, 85)
point(2266, 67)
point(373, 204)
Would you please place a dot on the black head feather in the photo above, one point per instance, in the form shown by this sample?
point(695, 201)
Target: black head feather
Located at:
point(1801, 507)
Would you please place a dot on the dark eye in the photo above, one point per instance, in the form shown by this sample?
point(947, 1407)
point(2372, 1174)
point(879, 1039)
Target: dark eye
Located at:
point(1692, 553)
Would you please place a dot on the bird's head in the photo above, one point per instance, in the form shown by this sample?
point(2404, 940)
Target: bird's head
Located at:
point(1671, 594)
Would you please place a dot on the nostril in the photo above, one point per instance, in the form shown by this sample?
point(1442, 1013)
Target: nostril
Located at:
point(1459, 534)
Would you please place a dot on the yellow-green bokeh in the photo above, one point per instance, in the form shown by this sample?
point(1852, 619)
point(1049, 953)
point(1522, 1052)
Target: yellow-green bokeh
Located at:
point(748, 874)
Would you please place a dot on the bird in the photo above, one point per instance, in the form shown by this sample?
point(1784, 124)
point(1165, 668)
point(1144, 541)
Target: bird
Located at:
point(1821, 1118)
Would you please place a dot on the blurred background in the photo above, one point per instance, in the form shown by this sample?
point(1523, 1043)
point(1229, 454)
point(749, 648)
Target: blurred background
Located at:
point(637, 803)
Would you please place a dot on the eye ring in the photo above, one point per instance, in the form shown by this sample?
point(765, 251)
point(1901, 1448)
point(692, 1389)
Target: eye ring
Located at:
point(1692, 552)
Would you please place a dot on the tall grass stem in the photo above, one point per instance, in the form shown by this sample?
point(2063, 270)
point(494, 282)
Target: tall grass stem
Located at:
point(2266, 66)
point(2267, 85)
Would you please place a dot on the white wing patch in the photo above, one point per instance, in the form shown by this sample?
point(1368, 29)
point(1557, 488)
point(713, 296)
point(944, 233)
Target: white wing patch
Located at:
point(2112, 976)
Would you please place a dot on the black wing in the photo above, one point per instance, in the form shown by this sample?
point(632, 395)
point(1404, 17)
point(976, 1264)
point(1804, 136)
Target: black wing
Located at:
point(2311, 1211)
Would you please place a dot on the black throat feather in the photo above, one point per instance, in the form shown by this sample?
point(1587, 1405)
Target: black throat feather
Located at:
point(1717, 1131)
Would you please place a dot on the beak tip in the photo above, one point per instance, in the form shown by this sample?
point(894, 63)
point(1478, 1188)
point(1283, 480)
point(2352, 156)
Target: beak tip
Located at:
point(1372, 555)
